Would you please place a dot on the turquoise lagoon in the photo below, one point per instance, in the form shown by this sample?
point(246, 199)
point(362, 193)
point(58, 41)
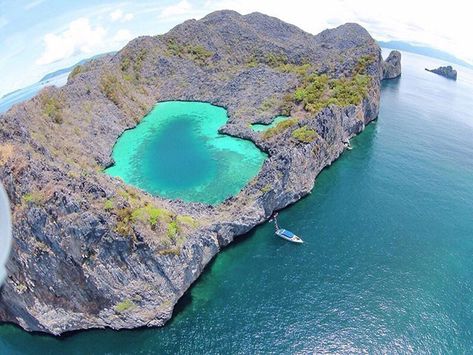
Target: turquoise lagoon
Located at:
point(177, 152)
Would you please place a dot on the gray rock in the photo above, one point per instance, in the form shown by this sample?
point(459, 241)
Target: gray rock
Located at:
point(81, 258)
point(392, 65)
point(447, 72)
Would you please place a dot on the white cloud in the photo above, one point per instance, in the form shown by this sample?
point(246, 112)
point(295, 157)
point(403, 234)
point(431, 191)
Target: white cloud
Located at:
point(181, 8)
point(79, 38)
point(119, 15)
point(122, 36)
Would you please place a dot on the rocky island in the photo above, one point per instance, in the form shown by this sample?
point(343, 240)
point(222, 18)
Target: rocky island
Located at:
point(392, 65)
point(92, 252)
point(447, 72)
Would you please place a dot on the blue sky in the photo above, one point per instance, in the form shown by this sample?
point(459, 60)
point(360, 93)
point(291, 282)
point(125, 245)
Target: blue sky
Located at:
point(40, 36)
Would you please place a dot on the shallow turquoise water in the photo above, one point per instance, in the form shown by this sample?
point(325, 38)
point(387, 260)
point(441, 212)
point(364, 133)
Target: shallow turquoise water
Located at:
point(387, 262)
point(177, 152)
point(259, 127)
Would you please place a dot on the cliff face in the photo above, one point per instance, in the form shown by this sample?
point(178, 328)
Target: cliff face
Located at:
point(87, 251)
point(392, 65)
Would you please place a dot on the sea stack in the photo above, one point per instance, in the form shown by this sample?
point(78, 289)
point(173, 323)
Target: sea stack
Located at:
point(392, 65)
point(447, 72)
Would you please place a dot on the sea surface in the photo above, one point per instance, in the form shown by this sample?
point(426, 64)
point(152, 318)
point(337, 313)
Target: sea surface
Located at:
point(387, 264)
point(177, 152)
point(7, 101)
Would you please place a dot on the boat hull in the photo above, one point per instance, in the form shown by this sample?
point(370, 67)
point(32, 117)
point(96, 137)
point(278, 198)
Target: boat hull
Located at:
point(289, 236)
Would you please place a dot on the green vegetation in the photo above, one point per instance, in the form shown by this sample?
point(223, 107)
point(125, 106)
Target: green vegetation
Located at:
point(151, 215)
point(301, 70)
point(111, 87)
point(275, 60)
point(305, 134)
point(279, 128)
point(77, 70)
point(319, 91)
point(363, 64)
point(124, 306)
point(125, 63)
point(197, 53)
point(186, 220)
point(266, 188)
point(33, 197)
point(124, 221)
point(108, 205)
point(52, 107)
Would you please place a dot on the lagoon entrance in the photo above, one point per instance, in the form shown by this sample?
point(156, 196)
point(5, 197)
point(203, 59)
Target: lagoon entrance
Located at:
point(176, 152)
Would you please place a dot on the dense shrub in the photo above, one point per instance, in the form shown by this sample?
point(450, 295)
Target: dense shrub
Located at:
point(52, 107)
point(279, 128)
point(305, 134)
point(197, 53)
point(319, 91)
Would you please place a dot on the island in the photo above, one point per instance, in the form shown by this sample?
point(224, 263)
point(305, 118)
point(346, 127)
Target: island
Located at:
point(91, 251)
point(447, 72)
point(392, 65)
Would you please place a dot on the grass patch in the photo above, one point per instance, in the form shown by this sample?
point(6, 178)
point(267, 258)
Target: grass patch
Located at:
point(52, 108)
point(76, 71)
point(33, 197)
point(108, 205)
point(124, 306)
point(319, 91)
point(279, 128)
point(197, 53)
point(111, 87)
point(305, 134)
point(151, 215)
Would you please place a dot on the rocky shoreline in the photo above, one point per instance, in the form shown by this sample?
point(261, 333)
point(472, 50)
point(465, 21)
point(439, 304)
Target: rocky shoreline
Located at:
point(92, 252)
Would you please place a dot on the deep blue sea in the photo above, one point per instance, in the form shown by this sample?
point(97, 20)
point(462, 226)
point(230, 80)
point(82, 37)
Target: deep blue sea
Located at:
point(387, 264)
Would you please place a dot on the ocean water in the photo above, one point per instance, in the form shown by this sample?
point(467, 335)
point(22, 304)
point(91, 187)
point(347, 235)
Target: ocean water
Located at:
point(27, 93)
point(177, 152)
point(387, 264)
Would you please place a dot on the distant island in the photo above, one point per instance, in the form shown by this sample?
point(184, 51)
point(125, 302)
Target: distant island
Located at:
point(427, 51)
point(447, 72)
point(69, 69)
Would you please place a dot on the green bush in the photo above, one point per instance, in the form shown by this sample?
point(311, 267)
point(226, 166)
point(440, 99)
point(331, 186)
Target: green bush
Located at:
point(197, 53)
point(279, 128)
point(33, 197)
point(108, 205)
point(52, 108)
point(111, 87)
point(305, 134)
point(151, 215)
point(124, 306)
point(318, 91)
point(77, 70)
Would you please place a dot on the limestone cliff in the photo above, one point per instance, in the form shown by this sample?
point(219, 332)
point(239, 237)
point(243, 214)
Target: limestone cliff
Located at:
point(87, 251)
point(392, 65)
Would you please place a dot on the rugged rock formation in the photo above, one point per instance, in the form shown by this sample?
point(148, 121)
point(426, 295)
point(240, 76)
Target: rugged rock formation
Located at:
point(90, 251)
point(448, 72)
point(392, 65)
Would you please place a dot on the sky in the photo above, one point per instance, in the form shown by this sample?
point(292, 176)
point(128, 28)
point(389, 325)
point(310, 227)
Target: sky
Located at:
point(40, 36)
